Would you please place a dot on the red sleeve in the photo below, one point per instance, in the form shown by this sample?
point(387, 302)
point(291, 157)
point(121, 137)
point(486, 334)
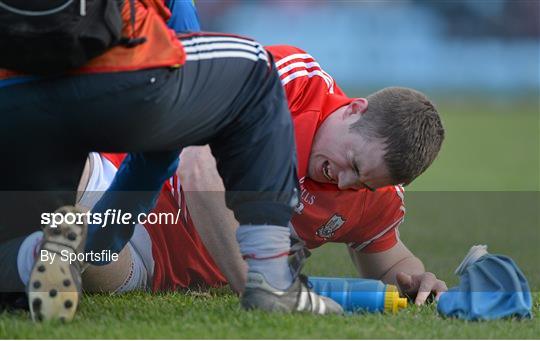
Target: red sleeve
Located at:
point(305, 82)
point(290, 62)
point(296, 64)
point(383, 213)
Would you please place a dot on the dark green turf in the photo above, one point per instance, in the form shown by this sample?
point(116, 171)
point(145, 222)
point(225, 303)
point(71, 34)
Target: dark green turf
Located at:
point(218, 316)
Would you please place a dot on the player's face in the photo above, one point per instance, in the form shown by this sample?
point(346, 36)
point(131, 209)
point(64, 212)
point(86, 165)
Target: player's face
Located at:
point(344, 157)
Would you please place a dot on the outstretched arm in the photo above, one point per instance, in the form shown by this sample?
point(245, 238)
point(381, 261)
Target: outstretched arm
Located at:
point(205, 198)
point(401, 267)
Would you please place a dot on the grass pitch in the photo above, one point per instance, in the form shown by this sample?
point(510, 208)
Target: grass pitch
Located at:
point(219, 316)
point(483, 189)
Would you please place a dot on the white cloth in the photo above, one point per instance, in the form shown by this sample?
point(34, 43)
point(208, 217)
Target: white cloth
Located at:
point(100, 177)
point(26, 255)
point(140, 245)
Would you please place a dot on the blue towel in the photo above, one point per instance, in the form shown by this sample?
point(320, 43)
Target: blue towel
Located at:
point(491, 287)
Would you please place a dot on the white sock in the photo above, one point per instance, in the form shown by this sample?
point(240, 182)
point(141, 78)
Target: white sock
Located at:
point(265, 248)
point(275, 270)
point(27, 255)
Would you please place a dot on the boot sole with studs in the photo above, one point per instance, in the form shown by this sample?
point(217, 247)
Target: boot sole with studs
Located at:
point(55, 286)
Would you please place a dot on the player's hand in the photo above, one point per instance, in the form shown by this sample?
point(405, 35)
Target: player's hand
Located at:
point(420, 287)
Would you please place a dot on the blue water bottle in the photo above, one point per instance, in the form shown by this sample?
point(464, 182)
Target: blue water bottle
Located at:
point(360, 295)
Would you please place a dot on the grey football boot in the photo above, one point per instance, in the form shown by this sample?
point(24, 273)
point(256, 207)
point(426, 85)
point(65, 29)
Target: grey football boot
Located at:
point(297, 298)
point(54, 288)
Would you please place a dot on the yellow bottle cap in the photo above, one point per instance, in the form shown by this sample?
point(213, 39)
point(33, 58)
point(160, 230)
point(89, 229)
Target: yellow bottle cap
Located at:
point(392, 301)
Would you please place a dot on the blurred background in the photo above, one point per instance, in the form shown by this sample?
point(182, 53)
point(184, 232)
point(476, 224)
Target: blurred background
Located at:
point(437, 45)
point(476, 59)
point(479, 61)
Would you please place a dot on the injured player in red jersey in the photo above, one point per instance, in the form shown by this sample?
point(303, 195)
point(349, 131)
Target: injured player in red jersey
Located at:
point(354, 156)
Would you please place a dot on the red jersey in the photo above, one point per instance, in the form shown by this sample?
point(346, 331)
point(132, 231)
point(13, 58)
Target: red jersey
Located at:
point(367, 221)
point(180, 257)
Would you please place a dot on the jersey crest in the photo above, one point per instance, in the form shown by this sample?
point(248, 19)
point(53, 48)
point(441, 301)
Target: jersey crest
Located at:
point(328, 230)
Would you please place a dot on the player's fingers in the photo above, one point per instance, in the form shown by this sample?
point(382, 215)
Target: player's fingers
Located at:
point(404, 282)
point(421, 297)
point(439, 288)
point(427, 285)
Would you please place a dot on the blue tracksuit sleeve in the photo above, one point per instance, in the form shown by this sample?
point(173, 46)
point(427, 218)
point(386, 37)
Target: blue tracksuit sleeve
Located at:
point(135, 189)
point(184, 16)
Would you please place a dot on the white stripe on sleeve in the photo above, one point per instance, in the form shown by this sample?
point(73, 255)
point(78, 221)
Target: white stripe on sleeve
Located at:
point(303, 66)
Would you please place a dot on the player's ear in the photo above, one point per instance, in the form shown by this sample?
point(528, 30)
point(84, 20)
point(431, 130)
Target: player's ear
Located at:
point(358, 106)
